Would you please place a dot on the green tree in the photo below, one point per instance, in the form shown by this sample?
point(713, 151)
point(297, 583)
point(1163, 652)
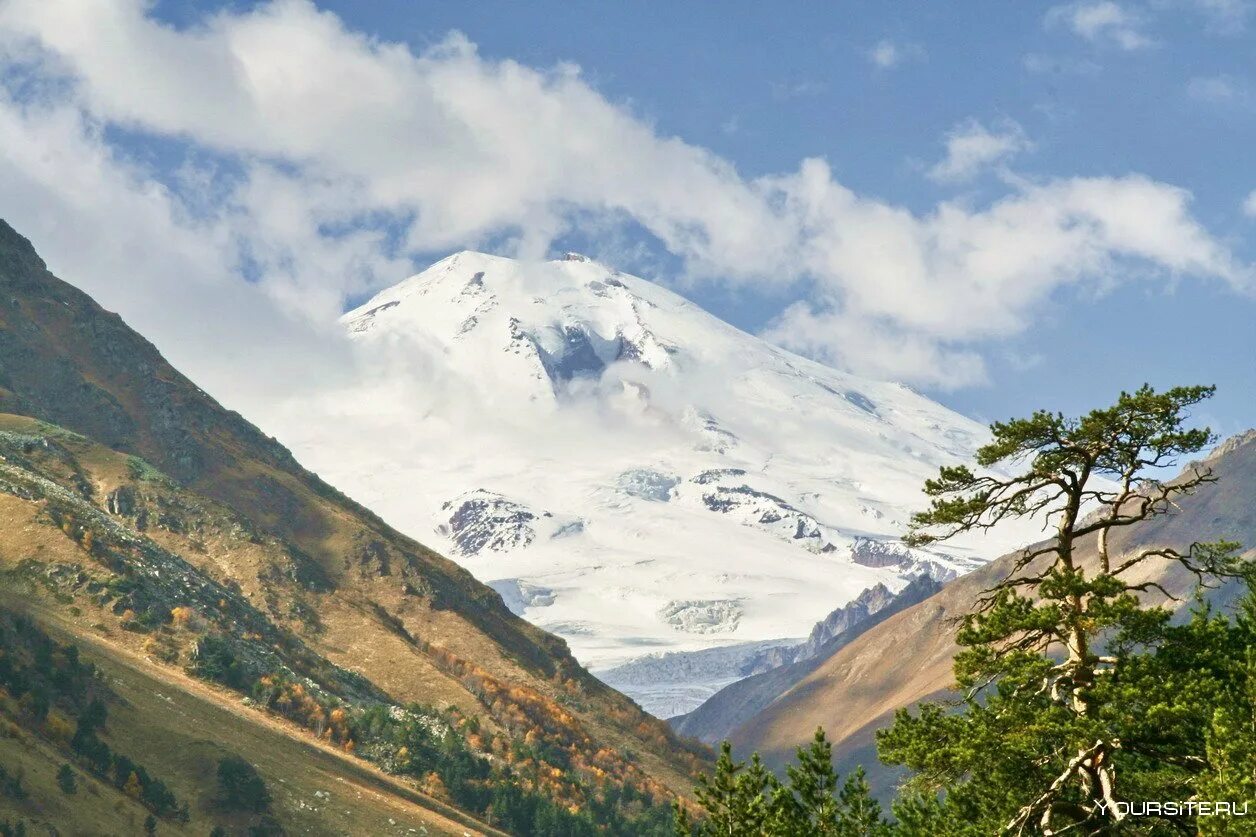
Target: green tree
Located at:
point(742, 798)
point(860, 812)
point(66, 780)
point(1051, 651)
point(1231, 737)
point(736, 798)
point(809, 803)
point(242, 787)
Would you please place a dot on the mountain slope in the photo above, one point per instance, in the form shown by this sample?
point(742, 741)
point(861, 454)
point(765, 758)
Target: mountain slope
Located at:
point(740, 702)
point(190, 510)
point(179, 730)
point(628, 471)
point(907, 658)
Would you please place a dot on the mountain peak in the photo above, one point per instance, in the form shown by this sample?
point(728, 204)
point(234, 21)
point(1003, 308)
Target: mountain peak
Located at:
point(621, 445)
point(13, 243)
point(1232, 444)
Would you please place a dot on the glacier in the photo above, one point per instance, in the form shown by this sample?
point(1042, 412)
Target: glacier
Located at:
point(627, 470)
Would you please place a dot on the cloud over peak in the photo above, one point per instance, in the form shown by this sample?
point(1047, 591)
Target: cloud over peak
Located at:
point(337, 159)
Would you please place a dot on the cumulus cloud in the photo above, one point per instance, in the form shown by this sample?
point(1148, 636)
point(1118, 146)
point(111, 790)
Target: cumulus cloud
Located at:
point(1102, 22)
point(323, 162)
point(971, 147)
point(101, 222)
point(915, 292)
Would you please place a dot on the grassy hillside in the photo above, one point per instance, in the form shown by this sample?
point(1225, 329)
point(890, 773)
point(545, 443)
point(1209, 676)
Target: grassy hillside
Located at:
point(179, 731)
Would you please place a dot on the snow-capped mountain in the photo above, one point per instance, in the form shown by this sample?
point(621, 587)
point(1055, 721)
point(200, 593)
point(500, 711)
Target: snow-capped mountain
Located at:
point(627, 470)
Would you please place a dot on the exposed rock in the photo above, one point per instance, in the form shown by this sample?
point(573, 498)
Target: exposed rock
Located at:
point(481, 520)
point(861, 401)
point(742, 700)
point(121, 501)
point(764, 510)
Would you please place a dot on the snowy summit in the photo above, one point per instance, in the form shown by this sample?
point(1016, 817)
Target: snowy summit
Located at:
point(628, 471)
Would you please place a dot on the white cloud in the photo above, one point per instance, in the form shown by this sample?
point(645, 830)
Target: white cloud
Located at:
point(1249, 204)
point(345, 157)
point(887, 54)
point(971, 147)
point(1102, 22)
point(127, 241)
point(909, 295)
point(1220, 89)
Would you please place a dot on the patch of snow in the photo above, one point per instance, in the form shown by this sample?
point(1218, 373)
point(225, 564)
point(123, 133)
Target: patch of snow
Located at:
point(520, 595)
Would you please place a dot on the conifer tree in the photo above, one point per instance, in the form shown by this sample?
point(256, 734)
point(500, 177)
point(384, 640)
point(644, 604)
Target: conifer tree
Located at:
point(1045, 651)
point(746, 799)
point(736, 798)
point(860, 811)
point(810, 802)
point(1231, 739)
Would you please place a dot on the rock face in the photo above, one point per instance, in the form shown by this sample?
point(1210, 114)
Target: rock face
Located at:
point(483, 520)
point(849, 617)
point(674, 483)
point(480, 522)
point(886, 553)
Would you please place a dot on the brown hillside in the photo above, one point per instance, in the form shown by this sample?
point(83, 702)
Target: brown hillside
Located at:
point(179, 729)
point(174, 529)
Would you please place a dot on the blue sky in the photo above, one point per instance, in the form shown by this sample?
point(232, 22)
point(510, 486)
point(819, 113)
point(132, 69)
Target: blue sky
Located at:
point(1086, 93)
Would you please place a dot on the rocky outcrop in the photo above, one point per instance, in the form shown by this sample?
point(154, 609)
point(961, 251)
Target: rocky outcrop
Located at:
point(480, 521)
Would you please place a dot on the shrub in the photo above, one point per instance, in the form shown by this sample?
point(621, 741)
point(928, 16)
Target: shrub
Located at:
point(242, 787)
point(66, 780)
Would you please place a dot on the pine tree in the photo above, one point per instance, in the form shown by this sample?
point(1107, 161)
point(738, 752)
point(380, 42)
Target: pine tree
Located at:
point(810, 803)
point(742, 798)
point(1231, 742)
point(736, 797)
point(1058, 651)
point(860, 813)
